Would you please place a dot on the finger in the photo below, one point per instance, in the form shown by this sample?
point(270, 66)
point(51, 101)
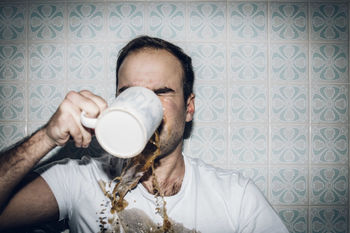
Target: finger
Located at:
point(75, 132)
point(99, 101)
point(83, 103)
point(82, 135)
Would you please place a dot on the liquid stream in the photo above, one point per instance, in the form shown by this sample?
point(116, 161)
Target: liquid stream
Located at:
point(135, 169)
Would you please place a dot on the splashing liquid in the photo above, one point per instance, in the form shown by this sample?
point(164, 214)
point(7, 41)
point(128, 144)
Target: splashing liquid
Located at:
point(129, 179)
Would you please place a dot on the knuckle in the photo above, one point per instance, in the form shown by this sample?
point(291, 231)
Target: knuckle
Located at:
point(71, 94)
point(104, 105)
point(65, 106)
point(91, 112)
point(84, 92)
point(95, 111)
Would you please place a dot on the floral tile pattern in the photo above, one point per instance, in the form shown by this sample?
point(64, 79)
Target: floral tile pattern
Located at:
point(294, 218)
point(289, 21)
point(329, 104)
point(46, 62)
point(330, 144)
point(46, 21)
point(85, 21)
point(96, 88)
point(289, 62)
point(167, 20)
point(112, 56)
point(11, 133)
point(12, 62)
point(248, 62)
point(209, 61)
point(329, 21)
point(329, 219)
point(289, 144)
point(248, 103)
point(44, 100)
point(12, 99)
point(272, 86)
point(85, 61)
point(208, 143)
point(330, 62)
point(12, 22)
point(110, 91)
point(248, 20)
point(289, 186)
point(207, 20)
point(34, 126)
point(329, 185)
point(289, 103)
point(248, 145)
point(210, 104)
point(125, 20)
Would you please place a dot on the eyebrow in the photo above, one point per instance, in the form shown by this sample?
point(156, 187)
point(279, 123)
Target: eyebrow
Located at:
point(157, 91)
point(163, 90)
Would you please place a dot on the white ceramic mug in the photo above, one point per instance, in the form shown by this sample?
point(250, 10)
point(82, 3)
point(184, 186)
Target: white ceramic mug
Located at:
point(124, 128)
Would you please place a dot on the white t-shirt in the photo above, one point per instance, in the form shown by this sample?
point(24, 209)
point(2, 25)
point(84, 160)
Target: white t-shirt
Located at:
point(210, 200)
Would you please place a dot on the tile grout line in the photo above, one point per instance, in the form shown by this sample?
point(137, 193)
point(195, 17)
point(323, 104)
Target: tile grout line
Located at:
point(309, 23)
point(27, 62)
point(66, 47)
point(268, 103)
point(227, 89)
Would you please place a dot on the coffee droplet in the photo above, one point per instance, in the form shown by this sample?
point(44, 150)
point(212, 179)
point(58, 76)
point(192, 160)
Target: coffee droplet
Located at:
point(130, 177)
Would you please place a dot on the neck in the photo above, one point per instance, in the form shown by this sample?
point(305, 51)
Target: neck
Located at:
point(169, 173)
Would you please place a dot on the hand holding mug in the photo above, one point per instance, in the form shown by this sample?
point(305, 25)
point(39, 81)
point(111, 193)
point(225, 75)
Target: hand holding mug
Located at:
point(65, 122)
point(125, 127)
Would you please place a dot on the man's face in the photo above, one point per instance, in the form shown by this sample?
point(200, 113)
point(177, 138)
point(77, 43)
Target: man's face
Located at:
point(161, 72)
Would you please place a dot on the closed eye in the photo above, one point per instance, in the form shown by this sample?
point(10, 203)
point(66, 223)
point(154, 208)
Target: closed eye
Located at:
point(122, 89)
point(159, 91)
point(164, 90)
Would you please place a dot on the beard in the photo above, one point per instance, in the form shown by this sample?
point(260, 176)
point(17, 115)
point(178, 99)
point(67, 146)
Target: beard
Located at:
point(170, 138)
point(169, 142)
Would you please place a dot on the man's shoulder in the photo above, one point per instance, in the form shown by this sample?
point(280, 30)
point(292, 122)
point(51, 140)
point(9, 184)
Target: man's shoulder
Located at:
point(221, 176)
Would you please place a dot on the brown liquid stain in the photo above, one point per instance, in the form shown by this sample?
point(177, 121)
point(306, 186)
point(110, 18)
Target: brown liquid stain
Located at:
point(130, 177)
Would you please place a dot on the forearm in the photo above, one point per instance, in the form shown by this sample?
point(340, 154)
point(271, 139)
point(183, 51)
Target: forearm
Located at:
point(18, 161)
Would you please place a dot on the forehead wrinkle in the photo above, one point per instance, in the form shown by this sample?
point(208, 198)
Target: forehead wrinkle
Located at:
point(150, 50)
point(140, 72)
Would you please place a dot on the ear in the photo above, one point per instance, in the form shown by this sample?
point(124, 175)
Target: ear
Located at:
point(190, 107)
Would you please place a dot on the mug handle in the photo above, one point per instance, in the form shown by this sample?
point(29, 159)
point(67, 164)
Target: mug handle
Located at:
point(87, 121)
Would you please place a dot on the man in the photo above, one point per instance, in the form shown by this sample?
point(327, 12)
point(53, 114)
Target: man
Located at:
point(197, 197)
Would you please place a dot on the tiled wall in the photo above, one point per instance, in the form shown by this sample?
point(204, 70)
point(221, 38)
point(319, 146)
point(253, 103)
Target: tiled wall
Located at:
point(272, 85)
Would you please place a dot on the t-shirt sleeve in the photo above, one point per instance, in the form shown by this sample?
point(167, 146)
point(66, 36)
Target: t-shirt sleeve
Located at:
point(59, 177)
point(257, 215)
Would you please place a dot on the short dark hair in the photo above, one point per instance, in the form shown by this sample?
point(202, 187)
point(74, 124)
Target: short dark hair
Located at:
point(143, 42)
